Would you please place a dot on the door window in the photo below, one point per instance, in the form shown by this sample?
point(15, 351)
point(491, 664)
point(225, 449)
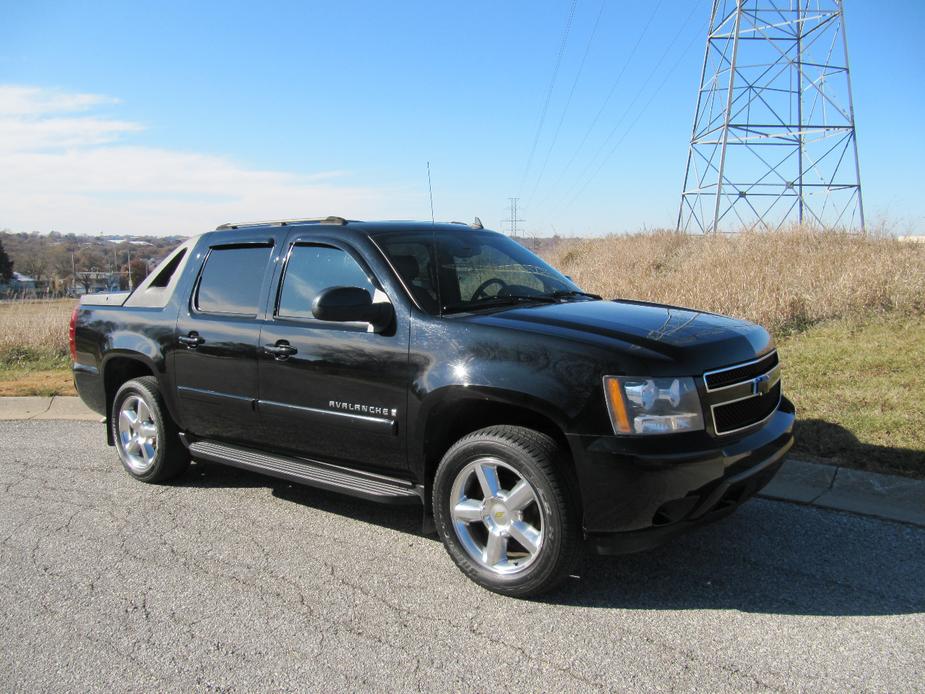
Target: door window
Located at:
point(231, 279)
point(312, 269)
point(413, 260)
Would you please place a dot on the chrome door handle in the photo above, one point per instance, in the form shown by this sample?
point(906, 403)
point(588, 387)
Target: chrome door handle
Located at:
point(280, 351)
point(191, 341)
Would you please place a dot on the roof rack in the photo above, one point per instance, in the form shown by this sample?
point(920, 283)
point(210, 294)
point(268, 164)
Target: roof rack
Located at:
point(331, 219)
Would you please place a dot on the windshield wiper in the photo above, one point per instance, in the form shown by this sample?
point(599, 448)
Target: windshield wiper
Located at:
point(563, 293)
point(495, 301)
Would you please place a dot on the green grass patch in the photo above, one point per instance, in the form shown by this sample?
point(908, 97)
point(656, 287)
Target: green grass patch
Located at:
point(859, 389)
point(25, 359)
point(27, 371)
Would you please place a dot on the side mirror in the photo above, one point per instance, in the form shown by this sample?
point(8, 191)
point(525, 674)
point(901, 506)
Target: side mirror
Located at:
point(351, 304)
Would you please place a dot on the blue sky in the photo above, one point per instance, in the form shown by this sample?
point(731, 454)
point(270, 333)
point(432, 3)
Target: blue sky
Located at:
point(174, 117)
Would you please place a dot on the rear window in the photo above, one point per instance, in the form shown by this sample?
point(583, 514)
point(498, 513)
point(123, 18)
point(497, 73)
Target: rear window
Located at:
point(231, 279)
point(163, 277)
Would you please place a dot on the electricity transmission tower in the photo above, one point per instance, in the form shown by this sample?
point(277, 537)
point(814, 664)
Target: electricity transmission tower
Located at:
point(513, 220)
point(773, 140)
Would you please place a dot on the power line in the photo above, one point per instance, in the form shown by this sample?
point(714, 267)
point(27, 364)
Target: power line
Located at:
point(609, 96)
point(629, 109)
point(628, 130)
point(633, 124)
point(552, 84)
point(568, 101)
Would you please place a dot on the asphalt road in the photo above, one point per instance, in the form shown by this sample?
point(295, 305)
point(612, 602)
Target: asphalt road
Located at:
point(228, 580)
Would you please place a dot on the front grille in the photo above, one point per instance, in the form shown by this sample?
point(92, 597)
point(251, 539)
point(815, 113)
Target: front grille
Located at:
point(743, 413)
point(737, 374)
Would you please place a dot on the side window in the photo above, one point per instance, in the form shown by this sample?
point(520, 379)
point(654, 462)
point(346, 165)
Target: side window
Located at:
point(231, 279)
point(312, 269)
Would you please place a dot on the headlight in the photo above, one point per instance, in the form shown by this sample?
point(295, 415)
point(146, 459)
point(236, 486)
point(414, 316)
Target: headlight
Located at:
point(652, 405)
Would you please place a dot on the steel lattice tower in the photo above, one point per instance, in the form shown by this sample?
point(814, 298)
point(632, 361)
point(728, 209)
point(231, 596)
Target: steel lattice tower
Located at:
point(773, 140)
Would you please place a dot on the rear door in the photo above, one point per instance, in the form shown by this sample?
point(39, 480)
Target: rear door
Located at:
point(338, 391)
point(215, 363)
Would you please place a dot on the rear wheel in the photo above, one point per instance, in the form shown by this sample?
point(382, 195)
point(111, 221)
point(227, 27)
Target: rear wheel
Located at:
point(505, 510)
point(145, 435)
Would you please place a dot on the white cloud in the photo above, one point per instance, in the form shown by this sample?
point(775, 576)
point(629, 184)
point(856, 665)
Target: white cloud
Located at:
point(22, 134)
point(65, 169)
point(19, 100)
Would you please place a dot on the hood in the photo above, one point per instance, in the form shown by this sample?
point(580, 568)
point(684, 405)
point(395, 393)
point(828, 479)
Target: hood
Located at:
point(696, 340)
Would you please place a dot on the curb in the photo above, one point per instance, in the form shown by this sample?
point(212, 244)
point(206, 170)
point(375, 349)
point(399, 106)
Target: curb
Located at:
point(888, 497)
point(54, 407)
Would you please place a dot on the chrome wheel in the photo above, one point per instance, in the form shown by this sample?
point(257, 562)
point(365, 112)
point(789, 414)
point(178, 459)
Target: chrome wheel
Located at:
point(137, 434)
point(496, 516)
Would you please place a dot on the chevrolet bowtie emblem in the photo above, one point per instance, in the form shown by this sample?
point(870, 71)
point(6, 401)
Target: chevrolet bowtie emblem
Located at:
point(761, 385)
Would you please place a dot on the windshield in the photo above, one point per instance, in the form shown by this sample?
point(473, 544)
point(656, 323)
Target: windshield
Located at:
point(449, 273)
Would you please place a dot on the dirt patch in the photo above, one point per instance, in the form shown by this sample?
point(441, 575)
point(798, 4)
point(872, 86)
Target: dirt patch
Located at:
point(24, 383)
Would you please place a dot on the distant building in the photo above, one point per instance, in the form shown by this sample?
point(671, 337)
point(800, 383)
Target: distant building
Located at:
point(130, 242)
point(21, 284)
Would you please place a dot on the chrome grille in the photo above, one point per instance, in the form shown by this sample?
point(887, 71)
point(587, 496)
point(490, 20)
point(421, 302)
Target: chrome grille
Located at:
point(731, 375)
point(743, 395)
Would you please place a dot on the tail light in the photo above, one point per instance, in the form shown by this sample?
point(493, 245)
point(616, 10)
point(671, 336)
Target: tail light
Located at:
point(72, 334)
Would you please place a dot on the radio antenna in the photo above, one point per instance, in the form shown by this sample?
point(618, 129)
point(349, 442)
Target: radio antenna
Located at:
point(430, 188)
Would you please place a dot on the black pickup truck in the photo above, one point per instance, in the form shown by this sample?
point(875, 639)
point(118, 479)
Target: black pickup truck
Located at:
point(442, 365)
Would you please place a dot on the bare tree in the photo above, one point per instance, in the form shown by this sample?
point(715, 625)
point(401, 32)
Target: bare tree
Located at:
point(35, 264)
point(61, 263)
point(85, 279)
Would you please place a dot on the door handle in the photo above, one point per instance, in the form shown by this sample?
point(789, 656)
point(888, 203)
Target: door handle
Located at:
point(192, 341)
point(280, 351)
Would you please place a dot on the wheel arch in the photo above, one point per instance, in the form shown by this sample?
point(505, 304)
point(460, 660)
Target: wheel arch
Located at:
point(460, 411)
point(118, 368)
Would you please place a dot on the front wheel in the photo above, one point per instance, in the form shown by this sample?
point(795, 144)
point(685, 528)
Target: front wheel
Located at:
point(145, 435)
point(506, 512)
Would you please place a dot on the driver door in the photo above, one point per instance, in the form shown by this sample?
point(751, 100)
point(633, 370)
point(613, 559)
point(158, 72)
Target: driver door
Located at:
point(335, 392)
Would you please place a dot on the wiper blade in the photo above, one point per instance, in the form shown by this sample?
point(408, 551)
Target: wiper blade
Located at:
point(495, 301)
point(562, 293)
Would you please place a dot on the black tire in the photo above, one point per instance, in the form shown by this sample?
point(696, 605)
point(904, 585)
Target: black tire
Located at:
point(170, 457)
point(538, 460)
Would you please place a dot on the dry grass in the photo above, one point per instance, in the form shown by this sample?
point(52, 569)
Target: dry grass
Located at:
point(34, 356)
point(34, 331)
point(785, 281)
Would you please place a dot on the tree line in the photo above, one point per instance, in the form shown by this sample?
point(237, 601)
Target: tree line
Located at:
point(61, 262)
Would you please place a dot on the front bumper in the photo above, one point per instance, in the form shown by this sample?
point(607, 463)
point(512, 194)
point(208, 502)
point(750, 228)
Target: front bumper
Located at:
point(637, 493)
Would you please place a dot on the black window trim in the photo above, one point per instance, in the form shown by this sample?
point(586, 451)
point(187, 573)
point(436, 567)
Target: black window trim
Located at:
point(274, 314)
point(194, 297)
